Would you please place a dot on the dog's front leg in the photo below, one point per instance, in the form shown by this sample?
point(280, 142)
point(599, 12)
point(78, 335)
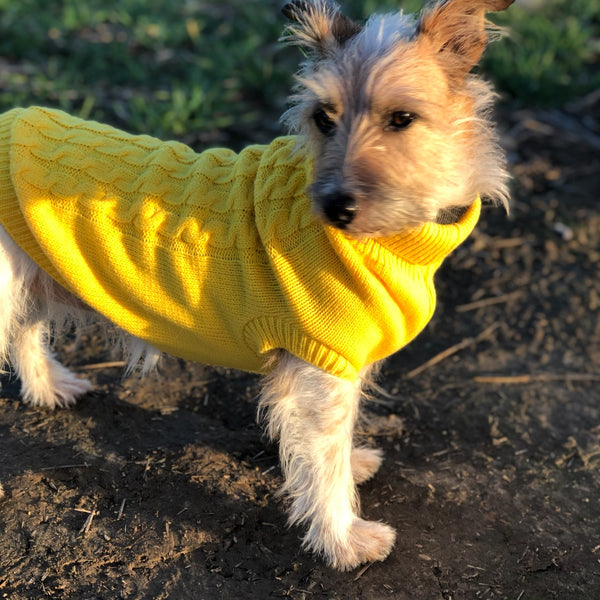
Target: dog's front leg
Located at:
point(312, 414)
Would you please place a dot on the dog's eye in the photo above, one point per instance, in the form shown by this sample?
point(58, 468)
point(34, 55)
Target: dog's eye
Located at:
point(325, 124)
point(400, 120)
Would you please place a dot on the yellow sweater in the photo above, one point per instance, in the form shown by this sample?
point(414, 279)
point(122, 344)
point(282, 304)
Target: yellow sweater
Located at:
point(215, 257)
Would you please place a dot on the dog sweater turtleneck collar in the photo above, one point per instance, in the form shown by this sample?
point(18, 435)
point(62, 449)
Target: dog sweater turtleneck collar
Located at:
point(215, 257)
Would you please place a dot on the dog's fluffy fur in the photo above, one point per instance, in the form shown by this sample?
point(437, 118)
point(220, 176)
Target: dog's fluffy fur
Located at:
point(401, 135)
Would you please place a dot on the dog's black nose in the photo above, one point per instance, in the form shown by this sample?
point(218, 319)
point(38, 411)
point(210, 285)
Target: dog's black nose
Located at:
point(340, 209)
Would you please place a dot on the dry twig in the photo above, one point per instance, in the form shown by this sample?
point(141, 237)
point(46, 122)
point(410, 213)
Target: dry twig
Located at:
point(453, 350)
point(362, 571)
point(74, 466)
point(121, 509)
point(540, 377)
point(488, 301)
point(103, 365)
point(88, 522)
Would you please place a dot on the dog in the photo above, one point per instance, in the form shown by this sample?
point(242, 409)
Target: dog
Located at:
point(392, 147)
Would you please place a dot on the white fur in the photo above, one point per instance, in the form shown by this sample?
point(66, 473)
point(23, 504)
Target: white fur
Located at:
point(28, 313)
point(313, 414)
point(382, 33)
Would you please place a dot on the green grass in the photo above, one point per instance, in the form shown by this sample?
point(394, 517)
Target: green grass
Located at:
point(550, 55)
point(166, 67)
point(192, 68)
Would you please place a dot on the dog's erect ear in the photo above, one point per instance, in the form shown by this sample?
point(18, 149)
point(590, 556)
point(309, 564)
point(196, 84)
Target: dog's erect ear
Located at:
point(457, 30)
point(318, 25)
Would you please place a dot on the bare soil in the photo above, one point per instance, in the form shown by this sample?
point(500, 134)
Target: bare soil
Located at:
point(166, 488)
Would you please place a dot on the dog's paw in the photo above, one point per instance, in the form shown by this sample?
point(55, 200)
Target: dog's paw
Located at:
point(365, 463)
point(367, 541)
point(59, 388)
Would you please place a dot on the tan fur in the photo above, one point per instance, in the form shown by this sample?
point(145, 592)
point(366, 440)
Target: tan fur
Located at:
point(400, 133)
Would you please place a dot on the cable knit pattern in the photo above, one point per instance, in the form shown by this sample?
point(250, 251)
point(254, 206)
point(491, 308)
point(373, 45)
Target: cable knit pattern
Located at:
point(217, 256)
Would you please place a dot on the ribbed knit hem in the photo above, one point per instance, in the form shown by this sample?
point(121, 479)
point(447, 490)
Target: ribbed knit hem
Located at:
point(273, 333)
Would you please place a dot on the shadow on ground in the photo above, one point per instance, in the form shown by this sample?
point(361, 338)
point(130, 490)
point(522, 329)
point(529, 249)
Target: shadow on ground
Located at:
point(165, 488)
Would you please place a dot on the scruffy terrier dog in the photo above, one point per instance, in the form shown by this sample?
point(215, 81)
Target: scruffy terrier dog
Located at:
point(394, 149)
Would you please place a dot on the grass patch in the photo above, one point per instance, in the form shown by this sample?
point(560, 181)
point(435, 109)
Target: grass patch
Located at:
point(551, 54)
point(192, 69)
point(151, 66)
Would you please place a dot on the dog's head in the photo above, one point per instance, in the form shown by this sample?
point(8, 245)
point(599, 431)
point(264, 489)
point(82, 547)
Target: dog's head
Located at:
point(398, 126)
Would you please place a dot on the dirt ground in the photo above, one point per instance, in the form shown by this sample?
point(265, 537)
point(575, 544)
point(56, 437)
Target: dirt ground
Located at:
point(166, 487)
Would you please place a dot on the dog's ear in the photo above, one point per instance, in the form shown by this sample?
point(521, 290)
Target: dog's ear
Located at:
point(318, 25)
point(457, 30)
